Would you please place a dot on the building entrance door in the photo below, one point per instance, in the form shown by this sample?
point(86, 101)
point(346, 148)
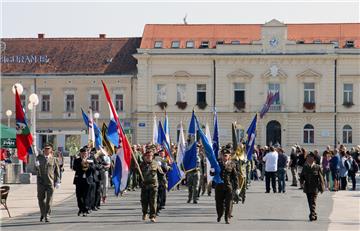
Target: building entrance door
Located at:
point(273, 133)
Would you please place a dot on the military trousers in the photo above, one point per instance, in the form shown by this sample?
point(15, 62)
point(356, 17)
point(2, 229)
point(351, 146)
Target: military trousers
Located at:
point(193, 183)
point(148, 200)
point(223, 199)
point(45, 197)
point(82, 189)
point(311, 198)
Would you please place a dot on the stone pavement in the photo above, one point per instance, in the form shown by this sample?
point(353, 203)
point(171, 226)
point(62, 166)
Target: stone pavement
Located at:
point(337, 211)
point(22, 198)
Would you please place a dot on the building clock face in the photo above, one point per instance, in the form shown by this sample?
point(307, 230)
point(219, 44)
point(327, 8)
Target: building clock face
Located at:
point(274, 42)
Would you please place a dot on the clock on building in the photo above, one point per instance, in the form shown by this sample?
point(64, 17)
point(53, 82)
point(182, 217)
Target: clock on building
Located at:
point(274, 42)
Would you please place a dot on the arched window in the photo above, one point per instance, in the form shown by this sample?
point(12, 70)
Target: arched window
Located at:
point(347, 134)
point(308, 134)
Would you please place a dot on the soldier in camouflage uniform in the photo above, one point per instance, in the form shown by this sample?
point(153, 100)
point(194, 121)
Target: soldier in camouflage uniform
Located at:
point(152, 174)
point(193, 181)
point(224, 191)
point(312, 180)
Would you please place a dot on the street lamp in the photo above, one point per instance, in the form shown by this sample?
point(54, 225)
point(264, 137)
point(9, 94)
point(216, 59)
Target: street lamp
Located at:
point(8, 114)
point(96, 116)
point(34, 100)
point(18, 87)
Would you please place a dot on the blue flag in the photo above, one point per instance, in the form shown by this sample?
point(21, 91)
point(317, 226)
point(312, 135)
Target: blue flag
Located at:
point(98, 139)
point(251, 135)
point(190, 157)
point(216, 136)
point(210, 155)
point(173, 176)
point(112, 132)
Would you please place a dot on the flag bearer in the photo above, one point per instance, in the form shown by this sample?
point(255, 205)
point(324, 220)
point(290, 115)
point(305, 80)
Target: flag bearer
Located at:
point(152, 174)
point(224, 191)
point(48, 177)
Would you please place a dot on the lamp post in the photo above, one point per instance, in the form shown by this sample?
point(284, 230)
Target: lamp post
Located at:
point(34, 100)
point(8, 114)
point(96, 116)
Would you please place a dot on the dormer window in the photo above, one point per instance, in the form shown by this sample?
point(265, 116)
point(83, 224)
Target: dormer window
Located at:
point(158, 44)
point(204, 44)
point(336, 43)
point(190, 44)
point(175, 44)
point(235, 42)
point(317, 41)
point(349, 44)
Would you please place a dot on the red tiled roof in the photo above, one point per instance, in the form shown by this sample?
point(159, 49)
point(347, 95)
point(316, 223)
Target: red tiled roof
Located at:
point(245, 33)
point(72, 55)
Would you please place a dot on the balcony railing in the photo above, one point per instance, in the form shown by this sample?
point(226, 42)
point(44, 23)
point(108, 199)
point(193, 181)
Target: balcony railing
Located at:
point(275, 108)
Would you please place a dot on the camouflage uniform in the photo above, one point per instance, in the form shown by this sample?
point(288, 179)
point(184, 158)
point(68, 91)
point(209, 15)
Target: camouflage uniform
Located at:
point(193, 182)
point(224, 191)
point(312, 179)
point(152, 174)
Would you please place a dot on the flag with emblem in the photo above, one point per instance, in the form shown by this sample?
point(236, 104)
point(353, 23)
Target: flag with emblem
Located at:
point(24, 138)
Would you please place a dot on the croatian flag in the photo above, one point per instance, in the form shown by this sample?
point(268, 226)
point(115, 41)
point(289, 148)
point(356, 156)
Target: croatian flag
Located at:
point(123, 153)
point(24, 138)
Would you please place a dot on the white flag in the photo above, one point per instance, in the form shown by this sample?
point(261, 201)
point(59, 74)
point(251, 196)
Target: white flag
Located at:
point(91, 129)
point(181, 150)
point(208, 136)
point(155, 132)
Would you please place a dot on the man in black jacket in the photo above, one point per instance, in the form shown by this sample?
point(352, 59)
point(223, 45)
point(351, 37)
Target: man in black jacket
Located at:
point(82, 179)
point(224, 191)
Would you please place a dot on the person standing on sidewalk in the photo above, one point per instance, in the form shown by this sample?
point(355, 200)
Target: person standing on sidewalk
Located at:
point(293, 166)
point(281, 171)
point(48, 176)
point(312, 181)
point(270, 160)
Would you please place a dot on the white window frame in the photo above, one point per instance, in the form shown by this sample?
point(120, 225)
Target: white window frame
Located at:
point(158, 44)
point(116, 100)
point(238, 86)
point(190, 42)
point(347, 130)
point(98, 102)
point(66, 102)
point(308, 91)
point(348, 95)
point(175, 44)
point(48, 103)
point(200, 90)
point(308, 131)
